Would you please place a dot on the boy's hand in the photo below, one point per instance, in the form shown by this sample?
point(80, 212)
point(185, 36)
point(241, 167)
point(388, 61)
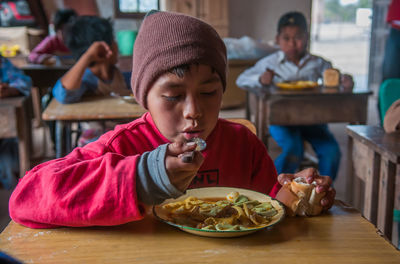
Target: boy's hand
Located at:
point(49, 61)
point(98, 52)
point(7, 91)
point(347, 82)
point(180, 173)
point(266, 77)
point(323, 184)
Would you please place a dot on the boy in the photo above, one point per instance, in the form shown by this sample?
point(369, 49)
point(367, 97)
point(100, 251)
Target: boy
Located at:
point(12, 83)
point(179, 75)
point(45, 51)
point(91, 41)
point(291, 63)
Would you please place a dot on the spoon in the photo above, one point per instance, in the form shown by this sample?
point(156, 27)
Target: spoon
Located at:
point(201, 145)
point(126, 98)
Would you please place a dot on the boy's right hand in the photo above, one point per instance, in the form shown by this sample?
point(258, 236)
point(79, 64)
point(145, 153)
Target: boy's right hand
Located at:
point(180, 173)
point(266, 77)
point(98, 52)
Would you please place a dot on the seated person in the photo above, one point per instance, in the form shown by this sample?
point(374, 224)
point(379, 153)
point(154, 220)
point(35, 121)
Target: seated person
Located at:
point(292, 63)
point(12, 83)
point(107, 181)
point(391, 122)
point(47, 50)
point(91, 41)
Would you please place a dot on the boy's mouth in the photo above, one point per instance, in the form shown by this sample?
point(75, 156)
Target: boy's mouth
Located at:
point(189, 134)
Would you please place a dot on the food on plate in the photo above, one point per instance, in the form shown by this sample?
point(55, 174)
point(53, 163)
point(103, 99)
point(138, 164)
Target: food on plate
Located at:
point(233, 212)
point(297, 85)
point(301, 198)
point(331, 77)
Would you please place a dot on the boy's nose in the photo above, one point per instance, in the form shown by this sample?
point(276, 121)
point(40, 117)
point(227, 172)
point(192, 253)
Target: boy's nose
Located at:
point(192, 109)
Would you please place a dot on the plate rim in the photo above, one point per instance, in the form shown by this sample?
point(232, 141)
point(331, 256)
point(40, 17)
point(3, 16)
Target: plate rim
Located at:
point(278, 84)
point(222, 231)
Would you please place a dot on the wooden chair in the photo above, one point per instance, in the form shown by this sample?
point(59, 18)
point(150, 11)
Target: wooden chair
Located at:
point(16, 122)
point(245, 122)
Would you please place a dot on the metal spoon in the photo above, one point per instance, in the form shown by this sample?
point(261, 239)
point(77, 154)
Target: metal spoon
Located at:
point(201, 145)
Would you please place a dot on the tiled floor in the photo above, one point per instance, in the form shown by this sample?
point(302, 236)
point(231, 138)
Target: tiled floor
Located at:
point(337, 129)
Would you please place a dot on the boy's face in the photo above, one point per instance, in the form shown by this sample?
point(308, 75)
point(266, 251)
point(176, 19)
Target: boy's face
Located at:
point(183, 108)
point(293, 42)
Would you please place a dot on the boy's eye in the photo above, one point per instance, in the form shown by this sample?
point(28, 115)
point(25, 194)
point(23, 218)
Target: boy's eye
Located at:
point(209, 92)
point(171, 98)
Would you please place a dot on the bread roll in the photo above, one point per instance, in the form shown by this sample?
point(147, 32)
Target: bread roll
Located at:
point(301, 198)
point(331, 78)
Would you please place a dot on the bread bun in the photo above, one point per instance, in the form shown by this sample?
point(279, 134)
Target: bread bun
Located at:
point(331, 78)
point(301, 198)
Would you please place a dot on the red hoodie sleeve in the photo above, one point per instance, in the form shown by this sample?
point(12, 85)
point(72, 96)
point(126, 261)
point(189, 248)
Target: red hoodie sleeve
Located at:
point(90, 186)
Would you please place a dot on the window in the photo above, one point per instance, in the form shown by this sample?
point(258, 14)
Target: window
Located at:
point(134, 8)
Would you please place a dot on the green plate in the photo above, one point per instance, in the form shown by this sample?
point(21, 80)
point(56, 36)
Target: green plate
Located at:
point(212, 192)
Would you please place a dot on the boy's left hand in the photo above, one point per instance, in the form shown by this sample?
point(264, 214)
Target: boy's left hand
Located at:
point(323, 184)
point(347, 82)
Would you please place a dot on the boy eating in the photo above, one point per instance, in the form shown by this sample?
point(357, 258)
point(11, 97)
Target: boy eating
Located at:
point(293, 63)
point(179, 75)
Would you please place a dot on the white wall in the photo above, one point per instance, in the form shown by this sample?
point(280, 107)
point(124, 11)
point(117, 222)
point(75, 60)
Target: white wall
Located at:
point(258, 18)
point(254, 18)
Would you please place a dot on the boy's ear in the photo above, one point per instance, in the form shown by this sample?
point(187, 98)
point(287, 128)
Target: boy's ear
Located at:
point(276, 39)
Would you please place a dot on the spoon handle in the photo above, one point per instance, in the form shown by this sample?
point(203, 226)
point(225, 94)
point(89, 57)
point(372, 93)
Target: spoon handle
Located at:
point(187, 157)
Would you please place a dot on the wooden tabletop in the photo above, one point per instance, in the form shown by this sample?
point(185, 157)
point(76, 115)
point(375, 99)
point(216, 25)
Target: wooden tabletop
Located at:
point(92, 108)
point(342, 236)
point(320, 90)
point(375, 137)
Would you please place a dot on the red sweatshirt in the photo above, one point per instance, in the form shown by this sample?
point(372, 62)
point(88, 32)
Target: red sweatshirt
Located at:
point(95, 185)
point(51, 45)
point(393, 15)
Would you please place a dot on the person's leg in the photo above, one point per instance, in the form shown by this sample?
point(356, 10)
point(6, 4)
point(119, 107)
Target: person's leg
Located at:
point(289, 139)
point(326, 148)
point(9, 162)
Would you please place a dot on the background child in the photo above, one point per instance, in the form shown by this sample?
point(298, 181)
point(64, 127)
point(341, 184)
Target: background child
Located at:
point(292, 63)
point(91, 41)
point(47, 50)
point(12, 83)
point(179, 75)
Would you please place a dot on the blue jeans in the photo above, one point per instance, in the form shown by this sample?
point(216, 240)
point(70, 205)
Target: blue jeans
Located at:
point(290, 139)
point(391, 59)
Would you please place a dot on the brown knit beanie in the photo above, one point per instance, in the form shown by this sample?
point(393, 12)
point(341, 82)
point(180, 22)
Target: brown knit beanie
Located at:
point(167, 40)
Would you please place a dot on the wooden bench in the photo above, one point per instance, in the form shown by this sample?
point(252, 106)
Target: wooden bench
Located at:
point(373, 175)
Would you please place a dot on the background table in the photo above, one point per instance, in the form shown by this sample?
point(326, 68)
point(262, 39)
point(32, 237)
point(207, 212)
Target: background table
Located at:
point(43, 79)
point(342, 236)
point(373, 175)
point(274, 106)
point(94, 108)
point(15, 122)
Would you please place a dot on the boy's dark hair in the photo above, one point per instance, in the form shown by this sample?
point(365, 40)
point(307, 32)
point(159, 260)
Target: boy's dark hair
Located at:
point(293, 19)
point(85, 30)
point(62, 17)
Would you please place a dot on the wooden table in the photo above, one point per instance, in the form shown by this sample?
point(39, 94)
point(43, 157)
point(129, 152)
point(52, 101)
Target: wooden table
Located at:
point(342, 236)
point(95, 108)
point(275, 106)
point(374, 162)
point(15, 122)
point(44, 77)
